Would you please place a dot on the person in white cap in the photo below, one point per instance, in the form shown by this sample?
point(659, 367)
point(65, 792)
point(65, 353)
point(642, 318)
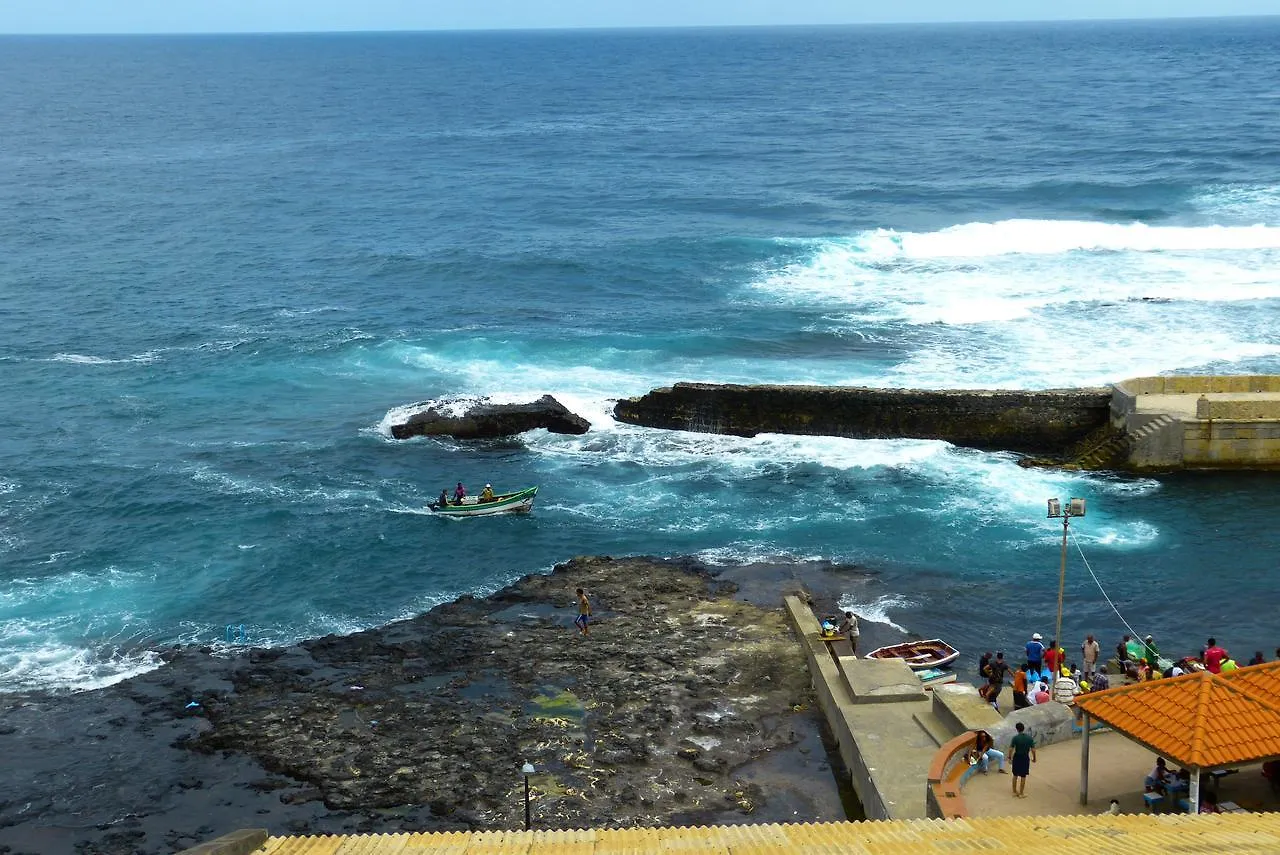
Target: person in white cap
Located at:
point(487, 495)
point(1035, 653)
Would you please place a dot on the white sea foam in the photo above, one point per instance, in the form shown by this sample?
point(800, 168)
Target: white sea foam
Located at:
point(876, 610)
point(1054, 237)
point(84, 359)
point(31, 659)
point(224, 482)
point(735, 554)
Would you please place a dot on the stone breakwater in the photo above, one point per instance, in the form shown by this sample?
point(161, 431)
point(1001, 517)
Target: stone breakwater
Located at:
point(1039, 422)
point(687, 704)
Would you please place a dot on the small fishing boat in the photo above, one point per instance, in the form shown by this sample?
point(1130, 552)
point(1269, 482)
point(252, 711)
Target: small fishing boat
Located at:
point(519, 502)
point(919, 655)
point(931, 677)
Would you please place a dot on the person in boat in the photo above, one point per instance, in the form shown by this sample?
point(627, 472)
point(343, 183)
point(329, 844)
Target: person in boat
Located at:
point(486, 495)
point(459, 493)
point(443, 501)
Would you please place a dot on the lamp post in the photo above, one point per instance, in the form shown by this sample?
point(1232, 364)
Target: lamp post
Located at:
point(1074, 508)
point(528, 770)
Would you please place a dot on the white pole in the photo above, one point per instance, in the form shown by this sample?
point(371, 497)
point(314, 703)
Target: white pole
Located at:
point(1084, 762)
point(1193, 796)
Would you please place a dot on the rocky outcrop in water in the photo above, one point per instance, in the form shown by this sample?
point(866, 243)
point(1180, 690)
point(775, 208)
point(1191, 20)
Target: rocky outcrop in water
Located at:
point(1047, 422)
point(686, 704)
point(488, 421)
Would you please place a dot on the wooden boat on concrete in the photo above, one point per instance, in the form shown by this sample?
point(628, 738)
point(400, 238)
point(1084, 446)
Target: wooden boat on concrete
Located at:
point(919, 655)
point(519, 502)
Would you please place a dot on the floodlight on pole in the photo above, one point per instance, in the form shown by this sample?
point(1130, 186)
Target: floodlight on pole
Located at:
point(1074, 508)
point(527, 770)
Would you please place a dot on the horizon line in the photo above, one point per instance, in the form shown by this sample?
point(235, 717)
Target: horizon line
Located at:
point(635, 27)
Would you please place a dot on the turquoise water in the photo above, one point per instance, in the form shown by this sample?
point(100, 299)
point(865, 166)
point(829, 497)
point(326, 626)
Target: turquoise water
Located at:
point(229, 261)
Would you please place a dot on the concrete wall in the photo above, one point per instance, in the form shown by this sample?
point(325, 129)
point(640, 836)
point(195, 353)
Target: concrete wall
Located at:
point(1034, 422)
point(1194, 384)
point(1228, 443)
point(944, 796)
point(1048, 723)
point(1257, 408)
point(961, 708)
point(832, 695)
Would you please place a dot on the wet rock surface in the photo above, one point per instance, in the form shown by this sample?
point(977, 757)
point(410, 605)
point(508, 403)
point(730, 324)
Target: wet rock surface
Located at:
point(488, 421)
point(686, 704)
point(1046, 421)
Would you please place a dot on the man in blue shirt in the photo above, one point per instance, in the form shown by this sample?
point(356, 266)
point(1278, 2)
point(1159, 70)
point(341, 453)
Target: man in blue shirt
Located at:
point(1035, 653)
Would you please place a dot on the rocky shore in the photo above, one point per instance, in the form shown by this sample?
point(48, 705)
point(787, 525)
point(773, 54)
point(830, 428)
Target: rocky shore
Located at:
point(688, 703)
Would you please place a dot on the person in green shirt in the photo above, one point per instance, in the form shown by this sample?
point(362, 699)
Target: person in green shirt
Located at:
point(1024, 754)
point(1152, 654)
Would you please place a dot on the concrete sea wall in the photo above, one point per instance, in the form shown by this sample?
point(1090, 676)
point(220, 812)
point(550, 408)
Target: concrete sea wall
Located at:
point(1035, 422)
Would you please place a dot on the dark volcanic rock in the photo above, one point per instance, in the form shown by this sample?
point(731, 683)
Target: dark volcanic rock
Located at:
point(683, 699)
point(1038, 422)
point(487, 421)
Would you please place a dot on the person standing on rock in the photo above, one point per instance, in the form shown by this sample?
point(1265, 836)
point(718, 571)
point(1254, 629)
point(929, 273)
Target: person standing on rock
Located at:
point(1024, 754)
point(584, 613)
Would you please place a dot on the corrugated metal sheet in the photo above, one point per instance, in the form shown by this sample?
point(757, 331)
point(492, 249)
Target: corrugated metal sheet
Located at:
point(1139, 834)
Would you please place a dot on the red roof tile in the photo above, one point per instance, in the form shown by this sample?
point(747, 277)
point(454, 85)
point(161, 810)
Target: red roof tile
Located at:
point(1201, 720)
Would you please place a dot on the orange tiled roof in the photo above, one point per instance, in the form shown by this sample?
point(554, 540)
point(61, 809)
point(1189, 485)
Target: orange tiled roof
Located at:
point(1262, 680)
point(1201, 720)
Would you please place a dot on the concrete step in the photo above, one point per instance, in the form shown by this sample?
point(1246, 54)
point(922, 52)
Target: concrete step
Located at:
point(934, 726)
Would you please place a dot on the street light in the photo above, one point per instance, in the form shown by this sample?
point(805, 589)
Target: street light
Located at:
point(1075, 508)
point(528, 770)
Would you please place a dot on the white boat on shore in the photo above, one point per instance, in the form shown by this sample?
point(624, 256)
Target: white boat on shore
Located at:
point(519, 502)
point(919, 655)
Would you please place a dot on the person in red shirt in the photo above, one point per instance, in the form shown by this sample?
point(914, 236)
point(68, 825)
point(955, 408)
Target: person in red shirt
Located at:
point(1213, 657)
point(1053, 658)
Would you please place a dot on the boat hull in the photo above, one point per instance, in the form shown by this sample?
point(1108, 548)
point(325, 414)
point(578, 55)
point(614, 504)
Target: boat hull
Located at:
point(919, 655)
point(519, 502)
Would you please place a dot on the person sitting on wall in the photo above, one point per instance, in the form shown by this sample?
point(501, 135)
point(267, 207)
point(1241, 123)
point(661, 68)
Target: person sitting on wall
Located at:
point(984, 750)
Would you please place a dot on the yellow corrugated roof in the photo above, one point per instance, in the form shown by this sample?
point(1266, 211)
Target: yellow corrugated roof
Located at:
point(1135, 834)
point(1201, 719)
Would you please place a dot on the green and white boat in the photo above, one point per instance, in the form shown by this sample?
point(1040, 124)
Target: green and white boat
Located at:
point(519, 502)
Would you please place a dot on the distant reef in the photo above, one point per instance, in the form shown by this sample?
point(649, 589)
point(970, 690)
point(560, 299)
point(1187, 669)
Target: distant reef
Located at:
point(489, 421)
point(1033, 422)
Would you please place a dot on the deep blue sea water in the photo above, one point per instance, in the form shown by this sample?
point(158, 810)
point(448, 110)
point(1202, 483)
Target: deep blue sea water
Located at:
point(226, 262)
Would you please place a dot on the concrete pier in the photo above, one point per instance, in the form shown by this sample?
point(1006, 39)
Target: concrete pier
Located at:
point(1199, 422)
point(887, 726)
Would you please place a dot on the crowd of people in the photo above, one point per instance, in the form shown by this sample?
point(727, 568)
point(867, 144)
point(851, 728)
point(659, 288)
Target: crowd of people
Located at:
point(1046, 674)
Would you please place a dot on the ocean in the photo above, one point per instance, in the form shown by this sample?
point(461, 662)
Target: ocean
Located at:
point(230, 262)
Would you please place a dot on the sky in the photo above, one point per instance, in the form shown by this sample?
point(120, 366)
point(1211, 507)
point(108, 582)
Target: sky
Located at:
point(255, 16)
